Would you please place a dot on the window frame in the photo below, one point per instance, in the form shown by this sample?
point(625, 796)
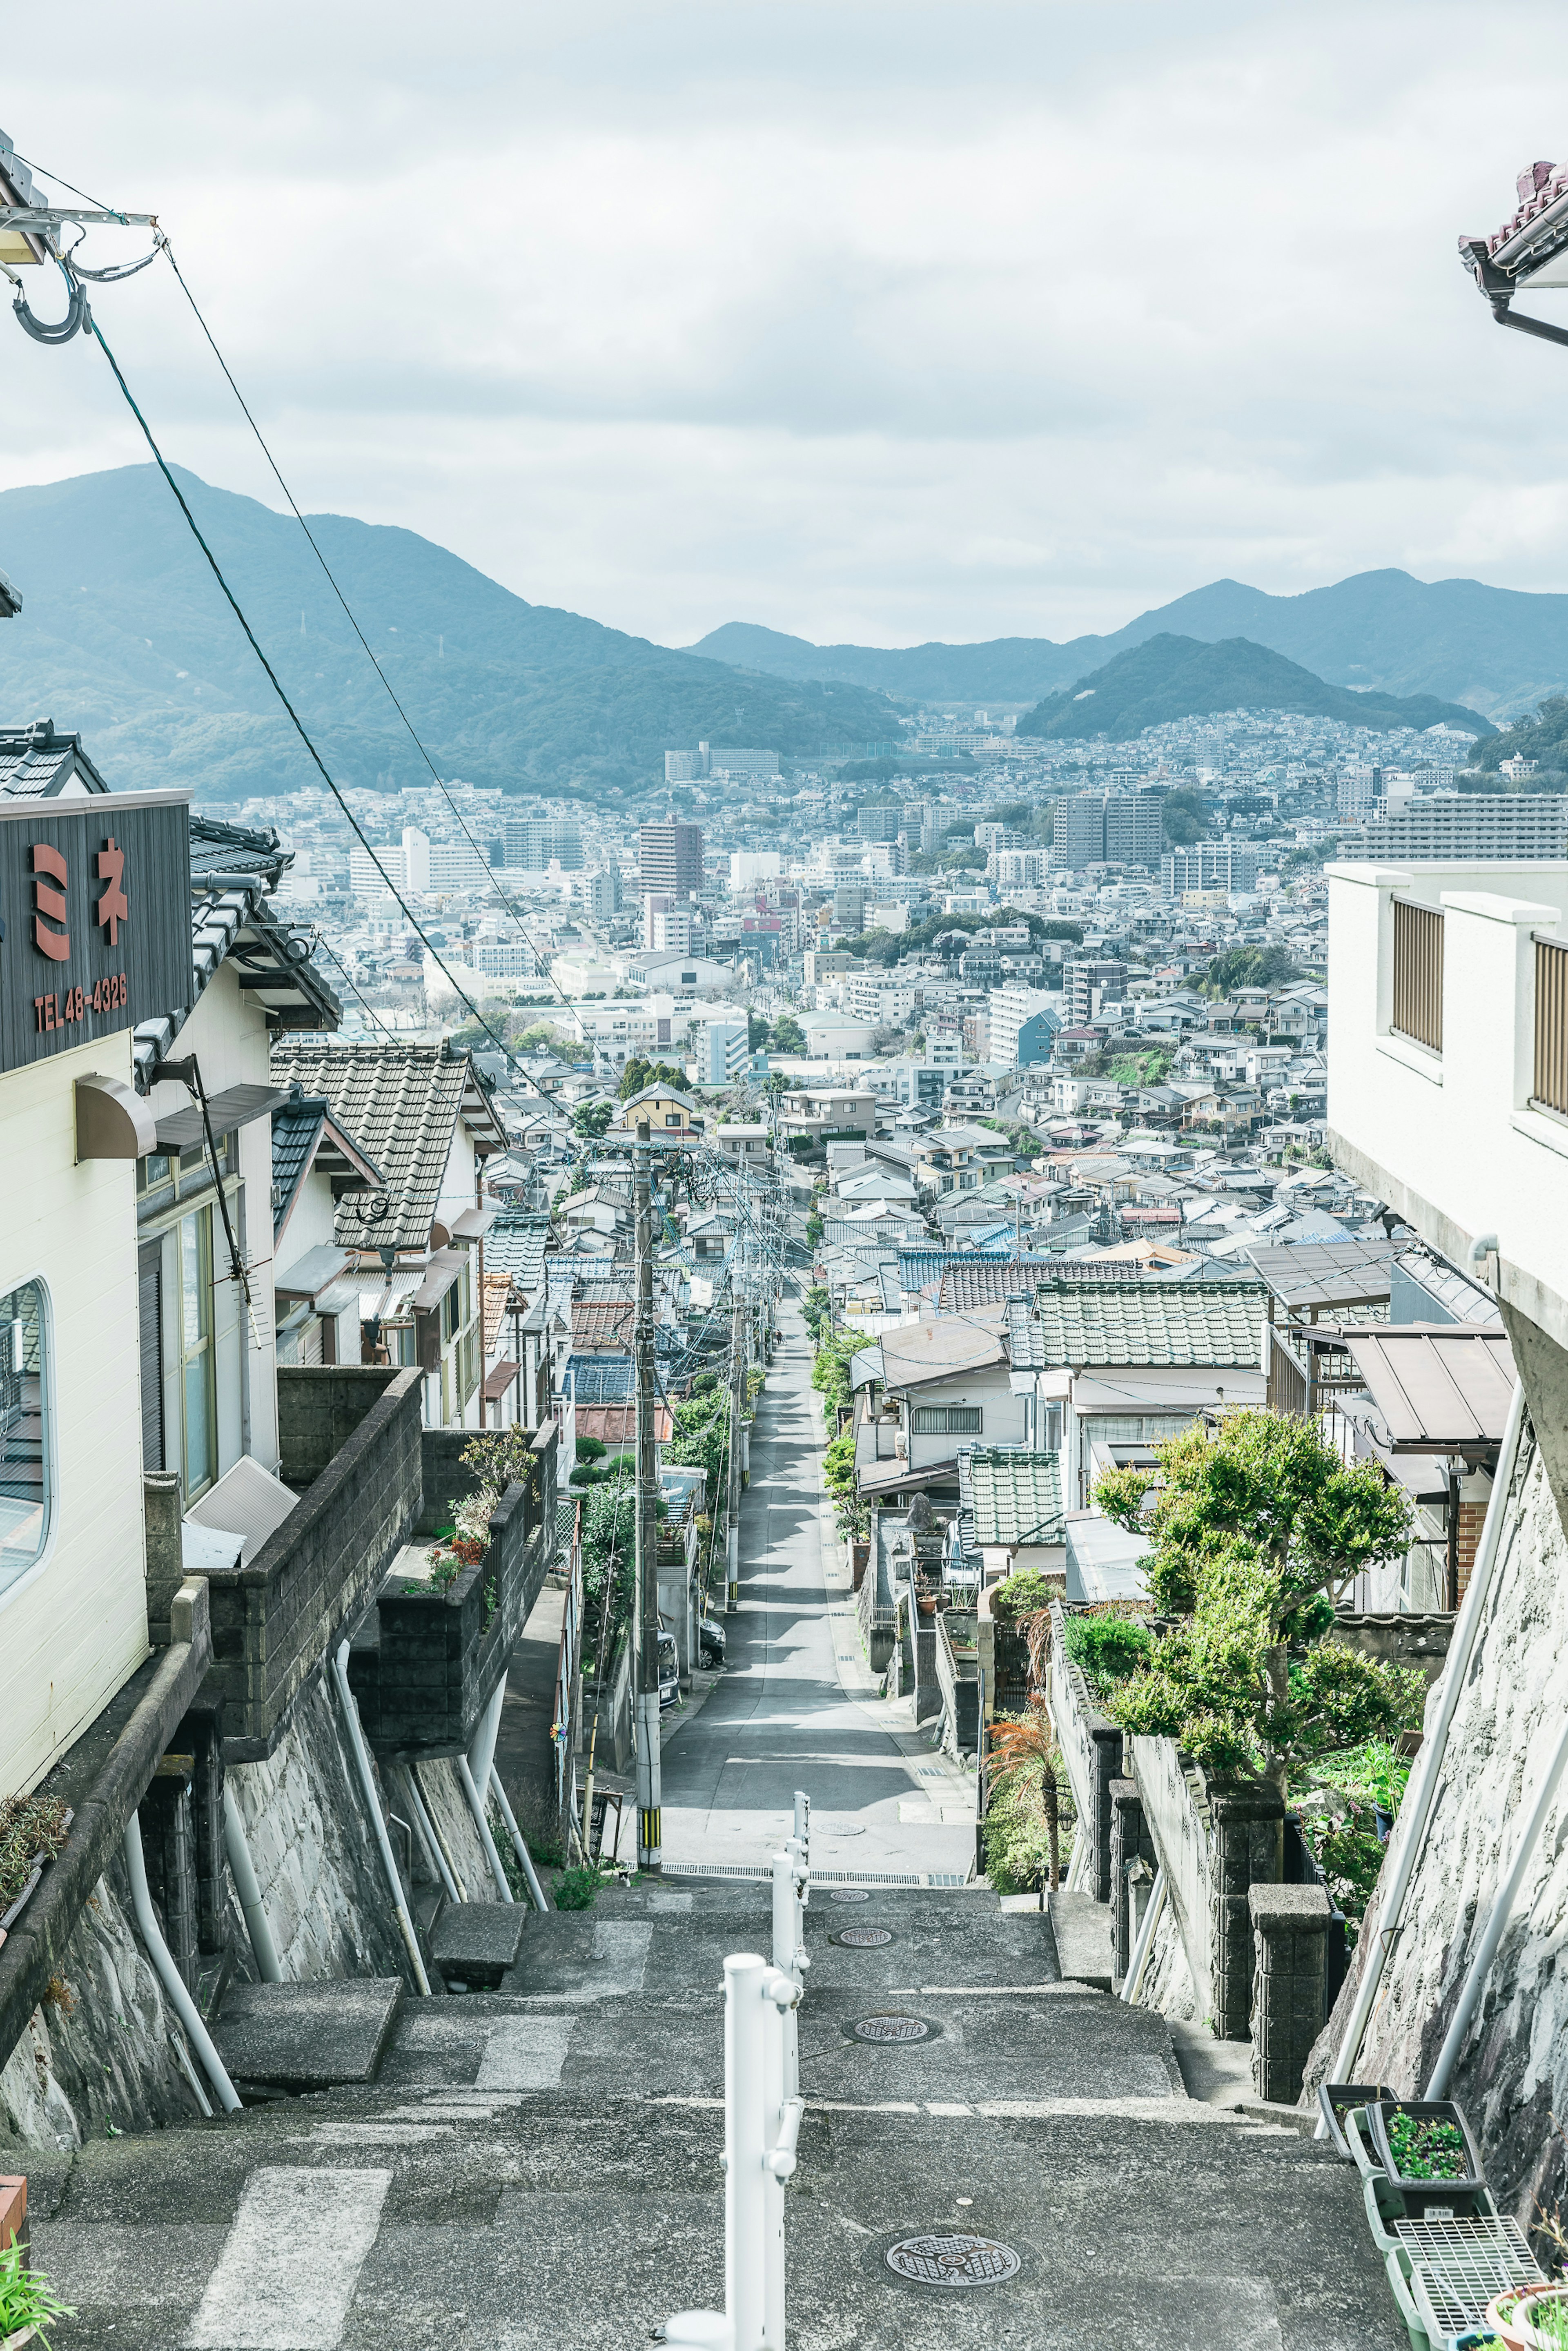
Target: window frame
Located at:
point(50, 1454)
point(923, 1419)
point(200, 1213)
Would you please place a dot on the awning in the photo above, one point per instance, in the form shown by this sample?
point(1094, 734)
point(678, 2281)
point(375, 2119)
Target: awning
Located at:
point(898, 1477)
point(497, 1381)
point(473, 1224)
point(309, 1275)
point(441, 1272)
point(181, 1129)
point(1439, 1389)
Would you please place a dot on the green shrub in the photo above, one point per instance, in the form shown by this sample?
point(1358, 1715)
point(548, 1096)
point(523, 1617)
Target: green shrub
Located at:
point(1013, 1834)
point(576, 1889)
point(1024, 1593)
point(589, 1449)
point(1106, 1649)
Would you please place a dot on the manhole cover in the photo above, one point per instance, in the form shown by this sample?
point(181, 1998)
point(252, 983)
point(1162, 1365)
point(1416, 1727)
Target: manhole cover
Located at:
point(862, 1939)
point(848, 1828)
point(890, 2028)
point(849, 1898)
point(954, 2261)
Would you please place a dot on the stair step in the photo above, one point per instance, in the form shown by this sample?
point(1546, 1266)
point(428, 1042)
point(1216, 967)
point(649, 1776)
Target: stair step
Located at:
point(308, 2036)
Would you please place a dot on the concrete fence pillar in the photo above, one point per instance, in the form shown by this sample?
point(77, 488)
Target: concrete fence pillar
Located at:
point(1290, 1936)
point(1104, 1770)
point(1246, 1829)
point(1130, 1842)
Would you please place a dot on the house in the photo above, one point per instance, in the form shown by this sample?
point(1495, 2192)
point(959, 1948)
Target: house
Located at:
point(671, 1117)
point(315, 1164)
point(1010, 1510)
point(923, 1387)
point(426, 1119)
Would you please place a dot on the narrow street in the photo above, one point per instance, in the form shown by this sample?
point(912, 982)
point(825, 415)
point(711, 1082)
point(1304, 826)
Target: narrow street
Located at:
point(795, 1707)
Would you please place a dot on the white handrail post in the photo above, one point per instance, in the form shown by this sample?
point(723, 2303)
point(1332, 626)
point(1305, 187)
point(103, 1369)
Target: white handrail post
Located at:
point(745, 2142)
point(803, 1828)
point(780, 1990)
point(788, 1958)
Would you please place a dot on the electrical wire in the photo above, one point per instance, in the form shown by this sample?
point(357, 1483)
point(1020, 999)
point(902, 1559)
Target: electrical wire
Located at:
point(347, 613)
point(299, 724)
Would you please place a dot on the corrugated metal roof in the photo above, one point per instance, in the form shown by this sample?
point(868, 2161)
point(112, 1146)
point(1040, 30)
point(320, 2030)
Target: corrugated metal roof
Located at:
point(1142, 1323)
point(1014, 1497)
point(1436, 1390)
point(1326, 1273)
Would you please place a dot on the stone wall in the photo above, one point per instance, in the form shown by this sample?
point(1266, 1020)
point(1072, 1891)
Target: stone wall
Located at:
point(97, 2050)
point(1513, 2075)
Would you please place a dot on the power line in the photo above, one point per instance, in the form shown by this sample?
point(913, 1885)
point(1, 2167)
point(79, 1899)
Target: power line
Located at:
point(299, 724)
point(347, 613)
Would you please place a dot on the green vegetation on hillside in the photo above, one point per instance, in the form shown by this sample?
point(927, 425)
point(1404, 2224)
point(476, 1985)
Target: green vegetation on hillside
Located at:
point(892, 946)
point(1543, 739)
point(1169, 677)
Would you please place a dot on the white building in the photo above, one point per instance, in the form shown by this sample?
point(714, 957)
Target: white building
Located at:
point(666, 925)
point(723, 1049)
point(1010, 1009)
point(1464, 828)
point(1018, 869)
point(747, 867)
point(401, 866)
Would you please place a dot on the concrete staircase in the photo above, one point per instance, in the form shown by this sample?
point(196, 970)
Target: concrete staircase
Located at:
point(538, 2166)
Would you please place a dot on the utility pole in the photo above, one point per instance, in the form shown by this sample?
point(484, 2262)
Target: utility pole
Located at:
point(736, 1394)
point(649, 1830)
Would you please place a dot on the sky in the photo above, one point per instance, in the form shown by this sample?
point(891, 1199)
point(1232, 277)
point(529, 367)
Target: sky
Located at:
point(868, 322)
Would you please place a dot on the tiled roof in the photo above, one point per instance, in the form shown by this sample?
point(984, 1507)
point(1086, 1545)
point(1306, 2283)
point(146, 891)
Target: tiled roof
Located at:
point(1013, 1497)
point(1143, 1323)
point(991, 1281)
point(601, 1379)
point(604, 1323)
point(917, 1267)
point(295, 1130)
point(402, 1101)
point(36, 763)
point(516, 1247)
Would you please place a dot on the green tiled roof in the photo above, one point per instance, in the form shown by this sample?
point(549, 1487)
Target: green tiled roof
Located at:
point(1015, 1497)
point(1149, 1322)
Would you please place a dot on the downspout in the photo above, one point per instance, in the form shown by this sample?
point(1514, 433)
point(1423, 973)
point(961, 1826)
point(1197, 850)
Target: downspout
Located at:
point(1421, 1794)
point(168, 1974)
point(367, 1785)
point(524, 1858)
point(475, 1806)
point(435, 1860)
point(249, 1891)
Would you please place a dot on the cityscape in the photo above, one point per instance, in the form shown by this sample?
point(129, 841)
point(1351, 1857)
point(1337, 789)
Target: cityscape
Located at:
point(783, 1521)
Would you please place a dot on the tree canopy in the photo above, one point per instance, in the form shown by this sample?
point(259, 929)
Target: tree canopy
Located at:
point(1257, 1526)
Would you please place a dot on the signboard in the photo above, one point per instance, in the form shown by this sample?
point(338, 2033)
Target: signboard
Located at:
point(95, 918)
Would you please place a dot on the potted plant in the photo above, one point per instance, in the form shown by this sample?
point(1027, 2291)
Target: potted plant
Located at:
point(1531, 2318)
point(1337, 2099)
point(27, 2306)
point(1424, 2146)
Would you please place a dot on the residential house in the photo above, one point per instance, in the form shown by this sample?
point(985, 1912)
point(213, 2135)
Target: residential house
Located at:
point(925, 1388)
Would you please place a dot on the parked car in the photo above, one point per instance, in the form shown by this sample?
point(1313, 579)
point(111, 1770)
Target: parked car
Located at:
point(711, 1641)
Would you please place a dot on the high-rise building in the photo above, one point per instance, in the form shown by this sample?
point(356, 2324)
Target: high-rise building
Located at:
point(1356, 790)
point(1024, 1021)
point(1107, 828)
point(1018, 869)
point(992, 837)
point(879, 824)
point(721, 1048)
point(599, 894)
point(672, 858)
point(1086, 985)
point(849, 907)
point(535, 843)
point(922, 825)
point(667, 923)
point(1208, 865)
point(1486, 827)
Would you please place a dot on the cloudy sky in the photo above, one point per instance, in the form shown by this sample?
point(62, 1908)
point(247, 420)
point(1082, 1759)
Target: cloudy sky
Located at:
point(865, 321)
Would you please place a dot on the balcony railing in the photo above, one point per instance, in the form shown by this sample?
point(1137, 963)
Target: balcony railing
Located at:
point(1419, 974)
point(1551, 1088)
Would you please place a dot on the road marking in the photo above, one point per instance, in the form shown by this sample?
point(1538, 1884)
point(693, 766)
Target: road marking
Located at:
point(524, 2053)
point(288, 2269)
point(387, 2134)
point(954, 2109)
point(621, 1946)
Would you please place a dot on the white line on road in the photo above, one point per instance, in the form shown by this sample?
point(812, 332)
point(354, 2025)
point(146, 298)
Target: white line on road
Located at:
point(286, 2276)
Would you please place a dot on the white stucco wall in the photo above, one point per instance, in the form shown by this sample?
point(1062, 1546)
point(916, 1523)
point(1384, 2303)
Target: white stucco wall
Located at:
point(74, 1628)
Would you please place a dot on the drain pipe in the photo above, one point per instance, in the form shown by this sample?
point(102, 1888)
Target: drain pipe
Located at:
point(452, 1871)
point(524, 1858)
point(1137, 1965)
point(1501, 1912)
point(434, 1858)
point(372, 1803)
point(1422, 1792)
point(466, 1773)
point(482, 1748)
point(249, 1891)
point(168, 1974)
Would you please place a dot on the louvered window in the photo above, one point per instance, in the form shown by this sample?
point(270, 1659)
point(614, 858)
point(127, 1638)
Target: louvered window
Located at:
point(26, 1467)
point(150, 1305)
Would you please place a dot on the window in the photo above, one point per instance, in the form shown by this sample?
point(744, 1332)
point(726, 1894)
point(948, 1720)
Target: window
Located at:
point(198, 1401)
point(945, 1420)
point(672, 1118)
point(25, 1466)
point(1419, 974)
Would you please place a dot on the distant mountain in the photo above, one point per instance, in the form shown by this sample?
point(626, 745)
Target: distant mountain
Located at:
point(1172, 677)
point(123, 634)
point(1497, 650)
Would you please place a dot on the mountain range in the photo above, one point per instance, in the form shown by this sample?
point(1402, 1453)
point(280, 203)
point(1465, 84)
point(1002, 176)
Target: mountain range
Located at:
point(1169, 677)
point(124, 636)
point(1497, 650)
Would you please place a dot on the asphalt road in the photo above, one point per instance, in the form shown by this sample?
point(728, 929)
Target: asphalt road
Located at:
point(795, 1707)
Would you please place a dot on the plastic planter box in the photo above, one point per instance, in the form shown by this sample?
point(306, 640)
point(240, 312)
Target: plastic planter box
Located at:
point(1336, 2098)
point(1389, 2111)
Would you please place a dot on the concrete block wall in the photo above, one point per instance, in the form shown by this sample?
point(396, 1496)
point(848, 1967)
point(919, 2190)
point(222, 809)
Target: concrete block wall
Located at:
point(1290, 1952)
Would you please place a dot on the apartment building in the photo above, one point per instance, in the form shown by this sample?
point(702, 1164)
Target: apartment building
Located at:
point(1086, 983)
point(1462, 828)
point(1023, 1025)
point(534, 844)
point(1108, 827)
point(671, 859)
point(1221, 865)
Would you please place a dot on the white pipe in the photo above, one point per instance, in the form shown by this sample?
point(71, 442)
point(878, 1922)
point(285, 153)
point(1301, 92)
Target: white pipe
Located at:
point(788, 1957)
point(1501, 1911)
point(524, 1858)
point(189, 2071)
point(373, 1804)
point(435, 1860)
point(482, 1749)
point(1410, 1829)
point(1134, 1979)
point(249, 1890)
point(744, 2137)
point(169, 1975)
point(452, 1872)
point(465, 1774)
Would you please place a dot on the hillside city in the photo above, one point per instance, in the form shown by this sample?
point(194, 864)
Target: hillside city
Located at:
point(783, 1527)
